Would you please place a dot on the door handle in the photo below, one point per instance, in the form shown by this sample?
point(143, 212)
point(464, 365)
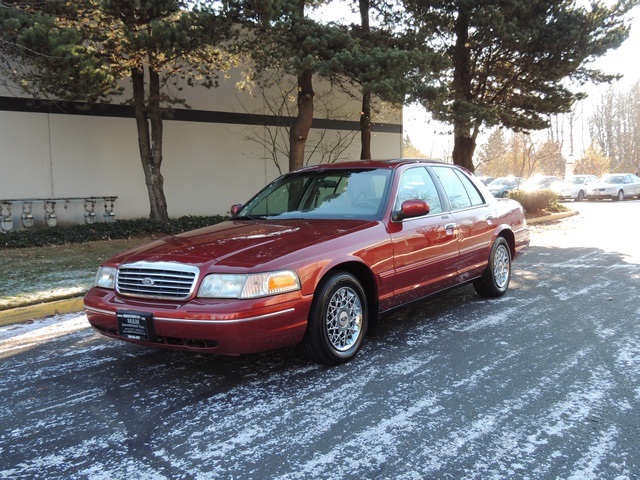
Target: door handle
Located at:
point(489, 218)
point(450, 226)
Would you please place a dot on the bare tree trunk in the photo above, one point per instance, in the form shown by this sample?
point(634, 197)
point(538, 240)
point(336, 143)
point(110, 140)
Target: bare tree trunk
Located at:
point(365, 126)
point(464, 147)
point(149, 123)
point(302, 123)
point(365, 115)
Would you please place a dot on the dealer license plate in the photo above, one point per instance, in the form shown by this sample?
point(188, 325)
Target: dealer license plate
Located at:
point(136, 325)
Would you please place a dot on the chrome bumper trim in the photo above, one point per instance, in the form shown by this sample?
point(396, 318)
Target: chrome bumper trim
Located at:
point(202, 322)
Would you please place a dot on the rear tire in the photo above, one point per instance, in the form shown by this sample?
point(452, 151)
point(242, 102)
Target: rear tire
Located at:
point(337, 321)
point(496, 277)
point(620, 196)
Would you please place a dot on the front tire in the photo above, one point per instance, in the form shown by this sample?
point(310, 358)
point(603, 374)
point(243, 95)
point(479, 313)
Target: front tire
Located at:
point(496, 277)
point(337, 321)
point(620, 196)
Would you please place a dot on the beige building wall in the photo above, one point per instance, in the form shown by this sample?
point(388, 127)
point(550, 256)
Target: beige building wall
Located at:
point(208, 165)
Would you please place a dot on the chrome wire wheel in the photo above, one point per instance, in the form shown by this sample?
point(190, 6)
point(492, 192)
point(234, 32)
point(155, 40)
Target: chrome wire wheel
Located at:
point(343, 321)
point(338, 319)
point(501, 266)
point(495, 279)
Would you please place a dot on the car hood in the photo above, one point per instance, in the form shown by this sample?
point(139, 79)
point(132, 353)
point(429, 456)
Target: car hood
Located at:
point(242, 243)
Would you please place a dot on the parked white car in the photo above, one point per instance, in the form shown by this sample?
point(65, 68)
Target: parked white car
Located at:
point(575, 187)
point(616, 186)
point(540, 182)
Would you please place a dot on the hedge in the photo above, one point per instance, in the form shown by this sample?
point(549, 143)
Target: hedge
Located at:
point(537, 201)
point(104, 231)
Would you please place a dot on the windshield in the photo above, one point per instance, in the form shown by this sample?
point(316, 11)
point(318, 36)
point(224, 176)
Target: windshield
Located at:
point(612, 179)
point(330, 194)
point(577, 180)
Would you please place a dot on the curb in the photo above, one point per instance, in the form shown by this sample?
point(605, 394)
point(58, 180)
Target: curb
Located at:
point(552, 217)
point(41, 310)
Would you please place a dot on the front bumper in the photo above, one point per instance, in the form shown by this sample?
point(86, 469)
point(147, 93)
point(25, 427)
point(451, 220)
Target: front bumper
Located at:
point(567, 195)
point(229, 327)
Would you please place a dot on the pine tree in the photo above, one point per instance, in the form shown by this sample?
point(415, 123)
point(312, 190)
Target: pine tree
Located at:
point(510, 60)
point(79, 50)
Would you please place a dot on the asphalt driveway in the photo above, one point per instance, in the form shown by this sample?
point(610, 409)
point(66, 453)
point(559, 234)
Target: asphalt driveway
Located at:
point(542, 383)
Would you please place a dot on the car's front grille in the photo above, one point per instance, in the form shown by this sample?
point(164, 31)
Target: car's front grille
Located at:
point(170, 281)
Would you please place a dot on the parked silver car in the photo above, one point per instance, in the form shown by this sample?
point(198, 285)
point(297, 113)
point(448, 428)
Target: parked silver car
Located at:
point(615, 186)
point(575, 187)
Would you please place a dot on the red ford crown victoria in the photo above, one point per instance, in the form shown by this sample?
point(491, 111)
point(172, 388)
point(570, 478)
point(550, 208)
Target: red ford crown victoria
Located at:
point(314, 257)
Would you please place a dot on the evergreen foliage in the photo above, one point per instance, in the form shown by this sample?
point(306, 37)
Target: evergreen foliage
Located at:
point(81, 50)
point(472, 64)
point(511, 60)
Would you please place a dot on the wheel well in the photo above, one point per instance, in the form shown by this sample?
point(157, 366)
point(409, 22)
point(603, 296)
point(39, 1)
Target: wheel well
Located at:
point(366, 279)
point(511, 240)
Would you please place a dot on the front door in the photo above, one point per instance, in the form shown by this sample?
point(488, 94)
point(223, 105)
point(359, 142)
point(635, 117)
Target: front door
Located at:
point(425, 248)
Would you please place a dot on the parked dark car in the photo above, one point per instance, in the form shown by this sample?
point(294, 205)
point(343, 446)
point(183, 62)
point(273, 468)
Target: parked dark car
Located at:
point(501, 186)
point(314, 257)
point(484, 179)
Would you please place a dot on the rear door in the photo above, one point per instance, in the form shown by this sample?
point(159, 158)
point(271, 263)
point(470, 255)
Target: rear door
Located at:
point(473, 218)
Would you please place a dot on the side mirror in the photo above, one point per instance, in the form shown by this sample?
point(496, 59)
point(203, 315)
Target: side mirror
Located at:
point(235, 209)
point(411, 209)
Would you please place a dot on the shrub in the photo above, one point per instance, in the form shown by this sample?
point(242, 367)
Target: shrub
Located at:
point(537, 201)
point(104, 231)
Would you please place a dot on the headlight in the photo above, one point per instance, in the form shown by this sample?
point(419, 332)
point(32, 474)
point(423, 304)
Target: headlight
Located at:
point(248, 285)
point(106, 277)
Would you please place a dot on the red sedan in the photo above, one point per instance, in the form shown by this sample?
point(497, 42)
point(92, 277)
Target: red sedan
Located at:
point(314, 257)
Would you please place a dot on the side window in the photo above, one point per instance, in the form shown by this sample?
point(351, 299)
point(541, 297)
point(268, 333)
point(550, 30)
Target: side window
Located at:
point(417, 183)
point(472, 191)
point(459, 189)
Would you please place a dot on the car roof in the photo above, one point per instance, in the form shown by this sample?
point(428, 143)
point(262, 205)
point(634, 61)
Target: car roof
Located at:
point(367, 164)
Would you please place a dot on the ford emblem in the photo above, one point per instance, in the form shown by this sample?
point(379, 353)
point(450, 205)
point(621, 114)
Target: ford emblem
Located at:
point(147, 282)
